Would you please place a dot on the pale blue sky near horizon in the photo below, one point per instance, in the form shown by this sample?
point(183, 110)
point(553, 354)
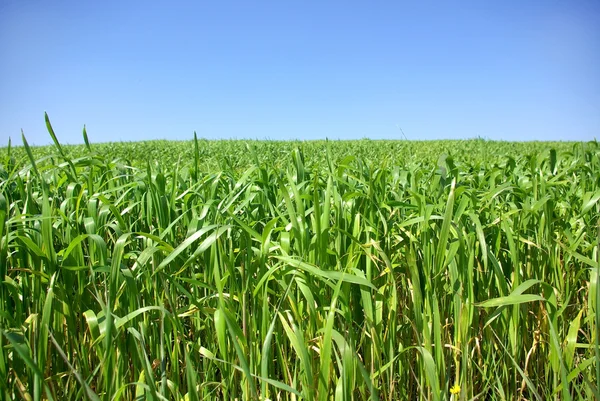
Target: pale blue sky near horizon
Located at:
point(133, 70)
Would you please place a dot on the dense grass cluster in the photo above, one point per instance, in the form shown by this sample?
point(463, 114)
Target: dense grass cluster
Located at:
point(379, 270)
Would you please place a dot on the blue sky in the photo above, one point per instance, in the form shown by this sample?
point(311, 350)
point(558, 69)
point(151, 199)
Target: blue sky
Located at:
point(135, 70)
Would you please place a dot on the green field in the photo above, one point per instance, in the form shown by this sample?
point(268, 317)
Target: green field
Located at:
point(325, 270)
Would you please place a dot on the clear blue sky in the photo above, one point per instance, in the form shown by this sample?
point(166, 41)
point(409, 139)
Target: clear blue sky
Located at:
point(134, 70)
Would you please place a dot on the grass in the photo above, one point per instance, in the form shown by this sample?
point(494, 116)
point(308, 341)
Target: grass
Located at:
point(351, 270)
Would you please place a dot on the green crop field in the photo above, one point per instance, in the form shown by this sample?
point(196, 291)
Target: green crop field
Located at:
point(325, 270)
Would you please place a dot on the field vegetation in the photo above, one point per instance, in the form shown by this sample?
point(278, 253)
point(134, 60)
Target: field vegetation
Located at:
point(326, 270)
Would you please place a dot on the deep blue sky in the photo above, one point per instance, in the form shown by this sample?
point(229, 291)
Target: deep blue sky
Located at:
point(133, 70)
